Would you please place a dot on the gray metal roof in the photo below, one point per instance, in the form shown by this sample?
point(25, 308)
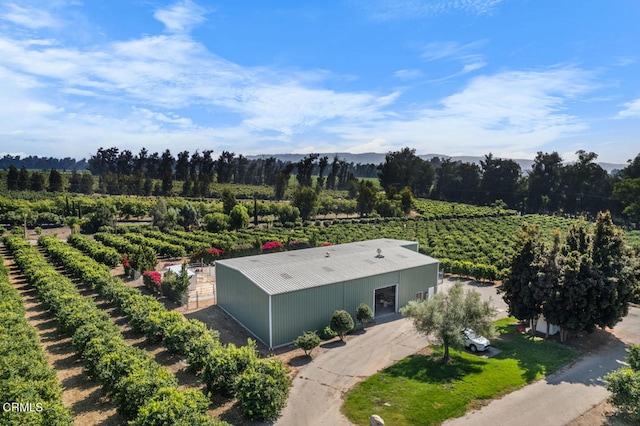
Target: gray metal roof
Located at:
point(288, 271)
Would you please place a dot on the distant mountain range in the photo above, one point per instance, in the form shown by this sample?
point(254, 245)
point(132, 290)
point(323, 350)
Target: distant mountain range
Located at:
point(377, 158)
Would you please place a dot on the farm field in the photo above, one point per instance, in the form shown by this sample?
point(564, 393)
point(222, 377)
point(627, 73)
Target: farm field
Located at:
point(469, 241)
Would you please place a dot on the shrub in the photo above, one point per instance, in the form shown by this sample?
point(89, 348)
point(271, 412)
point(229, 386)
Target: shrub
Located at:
point(262, 390)
point(239, 217)
point(272, 247)
point(175, 286)
point(133, 390)
point(341, 323)
point(143, 258)
point(624, 385)
point(216, 222)
point(307, 341)
point(172, 407)
point(183, 337)
point(126, 265)
point(152, 280)
point(207, 256)
point(364, 313)
point(327, 333)
point(299, 244)
point(225, 364)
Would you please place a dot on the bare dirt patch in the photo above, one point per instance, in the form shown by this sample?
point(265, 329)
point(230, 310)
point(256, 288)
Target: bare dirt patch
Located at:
point(603, 414)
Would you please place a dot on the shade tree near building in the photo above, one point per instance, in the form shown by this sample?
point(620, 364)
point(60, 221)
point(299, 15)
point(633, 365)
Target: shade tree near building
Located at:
point(445, 315)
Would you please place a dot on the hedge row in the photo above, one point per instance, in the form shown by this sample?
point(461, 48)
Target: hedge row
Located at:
point(163, 248)
point(130, 376)
point(119, 243)
point(264, 390)
point(25, 376)
point(103, 254)
point(190, 245)
point(468, 269)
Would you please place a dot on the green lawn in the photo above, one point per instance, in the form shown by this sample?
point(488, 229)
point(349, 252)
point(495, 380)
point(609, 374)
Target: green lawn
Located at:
point(421, 390)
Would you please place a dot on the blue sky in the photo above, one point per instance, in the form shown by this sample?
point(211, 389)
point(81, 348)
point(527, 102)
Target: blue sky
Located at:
point(453, 77)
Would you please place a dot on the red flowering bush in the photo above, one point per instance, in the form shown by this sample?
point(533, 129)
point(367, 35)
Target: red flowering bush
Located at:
point(325, 244)
point(126, 264)
point(152, 280)
point(272, 246)
point(207, 255)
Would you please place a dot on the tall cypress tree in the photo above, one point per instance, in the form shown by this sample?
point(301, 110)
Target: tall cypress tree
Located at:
point(520, 287)
point(614, 272)
point(12, 178)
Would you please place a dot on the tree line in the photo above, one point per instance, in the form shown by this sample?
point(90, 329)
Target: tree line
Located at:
point(122, 172)
point(550, 186)
point(33, 162)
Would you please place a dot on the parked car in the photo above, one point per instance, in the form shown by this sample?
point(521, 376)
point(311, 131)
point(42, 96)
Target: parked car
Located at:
point(474, 342)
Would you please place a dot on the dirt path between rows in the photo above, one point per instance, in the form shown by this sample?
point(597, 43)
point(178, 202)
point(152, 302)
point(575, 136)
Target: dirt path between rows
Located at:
point(80, 393)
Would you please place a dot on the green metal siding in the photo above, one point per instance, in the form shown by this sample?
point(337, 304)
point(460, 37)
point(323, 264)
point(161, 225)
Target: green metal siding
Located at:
point(413, 246)
point(416, 280)
point(243, 300)
point(304, 310)
point(362, 290)
point(311, 309)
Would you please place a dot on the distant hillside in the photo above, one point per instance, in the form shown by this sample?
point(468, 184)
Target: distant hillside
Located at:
point(377, 158)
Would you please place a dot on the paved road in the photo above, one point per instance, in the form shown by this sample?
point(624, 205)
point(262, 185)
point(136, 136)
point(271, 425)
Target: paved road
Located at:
point(564, 396)
point(316, 396)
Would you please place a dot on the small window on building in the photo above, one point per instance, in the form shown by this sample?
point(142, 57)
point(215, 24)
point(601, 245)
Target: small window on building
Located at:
point(419, 296)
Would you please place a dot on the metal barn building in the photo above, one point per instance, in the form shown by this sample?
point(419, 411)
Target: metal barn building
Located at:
point(277, 296)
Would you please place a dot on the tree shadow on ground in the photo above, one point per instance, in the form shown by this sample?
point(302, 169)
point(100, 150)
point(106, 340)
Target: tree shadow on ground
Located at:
point(333, 344)
point(300, 361)
point(540, 357)
point(431, 369)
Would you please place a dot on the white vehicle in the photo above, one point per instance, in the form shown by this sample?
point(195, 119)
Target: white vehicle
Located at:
point(474, 342)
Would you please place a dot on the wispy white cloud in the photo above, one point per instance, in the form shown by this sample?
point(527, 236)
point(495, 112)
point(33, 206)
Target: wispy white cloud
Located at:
point(466, 54)
point(27, 16)
point(523, 109)
point(143, 91)
point(383, 10)
point(181, 17)
point(155, 74)
point(452, 50)
point(409, 74)
point(632, 109)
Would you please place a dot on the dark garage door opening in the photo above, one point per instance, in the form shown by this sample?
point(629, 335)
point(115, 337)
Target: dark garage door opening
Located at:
point(385, 301)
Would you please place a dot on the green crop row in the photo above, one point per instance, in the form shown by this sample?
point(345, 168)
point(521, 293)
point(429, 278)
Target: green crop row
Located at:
point(222, 367)
point(103, 254)
point(433, 209)
point(143, 390)
point(25, 376)
point(161, 247)
point(119, 243)
point(190, 245)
